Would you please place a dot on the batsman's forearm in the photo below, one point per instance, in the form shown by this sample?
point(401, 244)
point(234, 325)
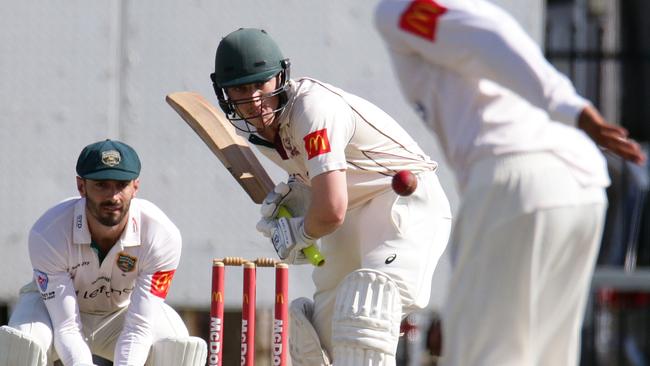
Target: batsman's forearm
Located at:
point(329, 203)
point(317, 226)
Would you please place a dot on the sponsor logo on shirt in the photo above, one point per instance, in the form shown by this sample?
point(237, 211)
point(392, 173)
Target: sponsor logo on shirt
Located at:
point(317, 143)
point(79, 221)
point(105, 290)
point(126, 262)
point(41, 280)
point(82, 264)
point(160, 283)
point(101, 278)
point(421, 18)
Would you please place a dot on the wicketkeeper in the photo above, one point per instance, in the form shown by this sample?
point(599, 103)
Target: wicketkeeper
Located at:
point(103, 264)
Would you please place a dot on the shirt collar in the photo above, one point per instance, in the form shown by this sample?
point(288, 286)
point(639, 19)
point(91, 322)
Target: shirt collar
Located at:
point(291, 93)
point(130, 236)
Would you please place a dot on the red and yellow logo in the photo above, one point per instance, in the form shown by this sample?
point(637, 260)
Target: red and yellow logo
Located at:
point(217, 296)
point(316, 143)
point(421, 18)
point(160, 283)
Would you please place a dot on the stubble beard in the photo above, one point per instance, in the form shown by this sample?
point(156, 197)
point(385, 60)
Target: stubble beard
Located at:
point(109, 219)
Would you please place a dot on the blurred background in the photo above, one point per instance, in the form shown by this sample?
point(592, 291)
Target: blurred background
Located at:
point(76, 72)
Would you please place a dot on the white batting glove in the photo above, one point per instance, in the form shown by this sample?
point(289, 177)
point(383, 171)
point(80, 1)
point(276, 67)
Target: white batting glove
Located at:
point(265, 226)
point(288, 238)
point(293, 195)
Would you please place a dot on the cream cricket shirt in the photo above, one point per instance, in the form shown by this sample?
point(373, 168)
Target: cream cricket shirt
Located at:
point(484, 86)
point(136, 273)
point(323, 128)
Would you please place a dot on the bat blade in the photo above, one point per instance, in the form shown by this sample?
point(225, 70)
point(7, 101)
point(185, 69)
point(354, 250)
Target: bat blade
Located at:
point(219, 135)
point(231, 149)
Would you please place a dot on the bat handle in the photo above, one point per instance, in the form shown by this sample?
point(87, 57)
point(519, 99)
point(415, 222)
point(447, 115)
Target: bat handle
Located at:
point(311, 252)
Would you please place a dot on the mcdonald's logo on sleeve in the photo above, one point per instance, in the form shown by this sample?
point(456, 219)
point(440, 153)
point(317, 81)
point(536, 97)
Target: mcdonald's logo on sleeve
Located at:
point(160, 283)
point(421, 18)
point(317, 143)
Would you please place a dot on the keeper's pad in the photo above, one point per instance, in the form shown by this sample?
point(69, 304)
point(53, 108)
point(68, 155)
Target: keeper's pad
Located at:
point(186, 351)
point(18, 348)
point(304, 344)
point(366, 321)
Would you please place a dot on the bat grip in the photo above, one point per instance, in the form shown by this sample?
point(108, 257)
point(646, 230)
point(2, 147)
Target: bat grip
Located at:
point(311, 252)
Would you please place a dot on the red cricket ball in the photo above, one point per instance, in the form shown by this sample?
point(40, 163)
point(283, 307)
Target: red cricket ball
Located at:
point(404, 183)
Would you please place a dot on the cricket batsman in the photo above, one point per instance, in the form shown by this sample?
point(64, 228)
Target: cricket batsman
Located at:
point(103, 263)
point(340, 152)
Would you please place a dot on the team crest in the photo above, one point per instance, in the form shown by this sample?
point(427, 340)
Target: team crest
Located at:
point(41, 280)
point(317, 143)
point(421, 18)
point(111, 158)
point(126, 262)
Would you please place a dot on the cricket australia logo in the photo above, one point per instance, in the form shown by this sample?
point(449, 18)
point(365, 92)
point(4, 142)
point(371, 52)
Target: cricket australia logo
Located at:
point(126, 262)
point(111, 158)
point(41, 280)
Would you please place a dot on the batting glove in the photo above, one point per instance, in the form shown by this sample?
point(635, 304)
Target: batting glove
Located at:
point(288, 238)
point(293, 195)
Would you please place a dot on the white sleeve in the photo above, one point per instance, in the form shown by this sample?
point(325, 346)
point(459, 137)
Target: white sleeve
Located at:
point(324, 126)
point(58, 293)
point(479, 40)
point(150, 290)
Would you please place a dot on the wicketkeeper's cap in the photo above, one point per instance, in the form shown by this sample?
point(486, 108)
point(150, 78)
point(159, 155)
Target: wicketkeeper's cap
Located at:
point(108, 160)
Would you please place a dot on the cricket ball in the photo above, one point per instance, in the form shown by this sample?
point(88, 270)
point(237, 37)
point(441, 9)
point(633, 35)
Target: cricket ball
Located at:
point(404, 183)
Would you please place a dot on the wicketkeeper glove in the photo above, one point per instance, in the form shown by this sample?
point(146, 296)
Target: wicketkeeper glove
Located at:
point(288, 238)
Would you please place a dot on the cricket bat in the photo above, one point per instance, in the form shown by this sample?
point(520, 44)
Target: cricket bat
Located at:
point(231, 149)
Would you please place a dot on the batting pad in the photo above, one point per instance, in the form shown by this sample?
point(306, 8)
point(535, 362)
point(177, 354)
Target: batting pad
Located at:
point(189, 351)
point(304, 344)
point(366, 322)
point(18, 348)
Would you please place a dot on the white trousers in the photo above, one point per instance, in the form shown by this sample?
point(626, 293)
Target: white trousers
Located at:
point(100, 331)
point(523, 253)
point(402, 237)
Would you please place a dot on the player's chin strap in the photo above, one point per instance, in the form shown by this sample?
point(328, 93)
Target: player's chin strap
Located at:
point(366, 322)
point(304, 345)
point(186, 351)
point(18, 348)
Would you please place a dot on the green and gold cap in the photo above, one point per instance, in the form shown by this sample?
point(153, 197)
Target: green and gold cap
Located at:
point(108, 160)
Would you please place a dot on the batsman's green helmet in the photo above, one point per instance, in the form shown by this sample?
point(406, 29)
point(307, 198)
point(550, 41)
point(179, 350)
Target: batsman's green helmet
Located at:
point(245, 56)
